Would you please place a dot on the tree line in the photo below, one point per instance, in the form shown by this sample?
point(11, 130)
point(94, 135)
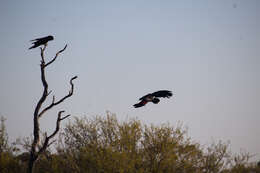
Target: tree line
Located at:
point(103, 144)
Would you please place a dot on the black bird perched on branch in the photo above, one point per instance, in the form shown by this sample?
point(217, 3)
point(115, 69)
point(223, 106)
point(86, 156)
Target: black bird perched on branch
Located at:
point(153, 97)
point(41, 41)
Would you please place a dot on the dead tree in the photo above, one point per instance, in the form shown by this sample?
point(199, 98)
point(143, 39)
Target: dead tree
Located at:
point(36, 149)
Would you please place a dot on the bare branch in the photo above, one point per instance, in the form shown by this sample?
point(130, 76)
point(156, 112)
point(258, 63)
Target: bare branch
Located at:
point(49, 92)
point(50, 143)
point(65, 117)
point(53, 99)
point(39, 104)
point(61, 100)
point(56, 56)
point(34, 154)
point(42, 53)
point(47, 138)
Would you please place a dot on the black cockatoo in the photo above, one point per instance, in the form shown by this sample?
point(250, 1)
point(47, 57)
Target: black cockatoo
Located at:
point(41, 41)
point(153, 97)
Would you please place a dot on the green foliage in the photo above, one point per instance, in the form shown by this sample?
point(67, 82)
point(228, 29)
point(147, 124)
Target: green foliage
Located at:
point(103, 144)
point(3, 137)
point(106, 145)
point(8, 162)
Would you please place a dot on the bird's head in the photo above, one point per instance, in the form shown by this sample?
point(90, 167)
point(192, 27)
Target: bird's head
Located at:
point(156, 100)
point(50, 37)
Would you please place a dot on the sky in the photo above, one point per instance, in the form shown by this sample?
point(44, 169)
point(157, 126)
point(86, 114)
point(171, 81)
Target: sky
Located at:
point(205, 52)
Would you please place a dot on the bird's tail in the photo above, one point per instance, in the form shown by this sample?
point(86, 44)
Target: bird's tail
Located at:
point(32, 47)
point(140, 104)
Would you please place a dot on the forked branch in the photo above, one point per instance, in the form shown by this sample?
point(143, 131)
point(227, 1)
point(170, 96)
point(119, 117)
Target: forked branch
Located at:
point(61, 100)
point(57, 54)
point(34, 154)
point(47, 138)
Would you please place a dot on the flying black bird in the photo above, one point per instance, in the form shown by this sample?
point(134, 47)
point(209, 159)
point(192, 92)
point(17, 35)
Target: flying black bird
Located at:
point(153, 97)
point(41, 41)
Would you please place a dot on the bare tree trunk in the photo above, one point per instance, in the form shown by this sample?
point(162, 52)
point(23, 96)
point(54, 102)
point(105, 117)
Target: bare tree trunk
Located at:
point(37, 150)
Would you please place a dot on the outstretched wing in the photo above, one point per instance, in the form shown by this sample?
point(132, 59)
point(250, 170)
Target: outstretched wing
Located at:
point(146, 96)
point(162, 93)
point(140, 104)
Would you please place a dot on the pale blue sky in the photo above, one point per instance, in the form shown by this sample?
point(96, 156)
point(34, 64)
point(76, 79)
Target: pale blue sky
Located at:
point(206, 52)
